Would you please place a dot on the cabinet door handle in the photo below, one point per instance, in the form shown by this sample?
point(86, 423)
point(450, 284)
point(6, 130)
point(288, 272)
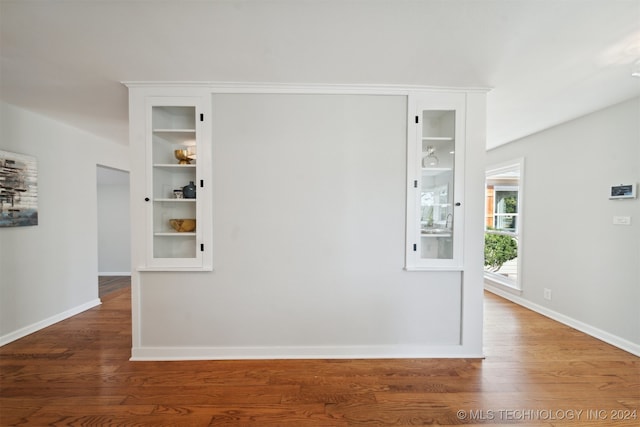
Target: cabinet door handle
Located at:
point(146, 199)
point(458, 204)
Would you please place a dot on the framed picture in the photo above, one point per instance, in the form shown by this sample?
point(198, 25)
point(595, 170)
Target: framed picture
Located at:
point(623, 191)
point(18, 190)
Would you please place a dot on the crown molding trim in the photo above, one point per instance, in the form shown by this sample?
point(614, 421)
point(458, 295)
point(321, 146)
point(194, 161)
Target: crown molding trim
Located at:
point(301, 88)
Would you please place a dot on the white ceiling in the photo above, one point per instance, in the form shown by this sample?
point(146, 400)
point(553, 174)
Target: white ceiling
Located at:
point(547, 61)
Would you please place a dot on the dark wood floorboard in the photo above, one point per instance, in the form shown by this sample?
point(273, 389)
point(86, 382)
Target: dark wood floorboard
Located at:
point(536, 372)
point(109, 284)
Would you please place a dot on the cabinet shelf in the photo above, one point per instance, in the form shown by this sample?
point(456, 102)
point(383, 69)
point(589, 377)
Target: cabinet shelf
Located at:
point(172, 166)
point(434, 171)
point(174, 234)
point(168, 130)
point(167, 200)
point(435, 235)
point(437, 138)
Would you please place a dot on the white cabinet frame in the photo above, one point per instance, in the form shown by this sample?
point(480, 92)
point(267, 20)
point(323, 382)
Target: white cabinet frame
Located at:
point(417, 103)
point(145, 197)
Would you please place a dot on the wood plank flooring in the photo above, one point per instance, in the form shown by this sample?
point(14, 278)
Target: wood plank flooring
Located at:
point(108, 284)
point(536, 372)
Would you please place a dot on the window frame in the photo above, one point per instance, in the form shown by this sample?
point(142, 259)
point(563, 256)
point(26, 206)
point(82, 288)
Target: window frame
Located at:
point(510, 188)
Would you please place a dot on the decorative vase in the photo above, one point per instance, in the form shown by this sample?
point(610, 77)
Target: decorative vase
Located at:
point(183, 156)
point(189, 191)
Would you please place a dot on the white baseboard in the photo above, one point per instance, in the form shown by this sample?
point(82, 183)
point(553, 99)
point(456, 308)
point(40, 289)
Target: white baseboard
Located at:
point(607, 337)
point(257, 353)
point(23, 332)
point(116, 273)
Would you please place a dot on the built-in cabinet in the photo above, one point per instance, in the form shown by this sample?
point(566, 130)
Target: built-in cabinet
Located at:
point(435, 196)
point(287, 231)
point(176, 195)
point(174, 126)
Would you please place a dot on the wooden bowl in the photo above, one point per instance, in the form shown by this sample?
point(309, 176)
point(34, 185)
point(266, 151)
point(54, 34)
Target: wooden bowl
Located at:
point(183, 225)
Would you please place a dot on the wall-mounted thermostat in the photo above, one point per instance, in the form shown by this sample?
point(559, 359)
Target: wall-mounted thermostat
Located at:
point(623, 191)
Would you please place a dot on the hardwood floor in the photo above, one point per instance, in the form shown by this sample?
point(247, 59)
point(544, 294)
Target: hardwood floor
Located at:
point(536, 372)
point(109, 284)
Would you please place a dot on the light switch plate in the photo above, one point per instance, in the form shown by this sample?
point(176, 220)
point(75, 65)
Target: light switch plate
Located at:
point(622, 220)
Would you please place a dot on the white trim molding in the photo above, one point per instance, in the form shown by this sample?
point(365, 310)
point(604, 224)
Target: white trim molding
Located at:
point(491, 281)
point(298, 352)
point(607, 337)
point(301, 88)
point(35, 327)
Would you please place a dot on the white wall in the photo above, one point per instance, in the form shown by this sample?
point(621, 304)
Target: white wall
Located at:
point(114, 222)
point(309, 238)
point(569, 242)
point(49, 271)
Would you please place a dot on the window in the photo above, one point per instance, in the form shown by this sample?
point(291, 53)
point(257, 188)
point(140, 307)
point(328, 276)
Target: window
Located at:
point(503, 222)
point(505, 208)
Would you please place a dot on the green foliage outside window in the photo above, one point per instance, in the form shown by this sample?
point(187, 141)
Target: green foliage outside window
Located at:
point(510, 204)
point(498, 249)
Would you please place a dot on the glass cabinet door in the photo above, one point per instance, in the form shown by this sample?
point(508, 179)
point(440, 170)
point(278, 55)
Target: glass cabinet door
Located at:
point(436, 156)
point(437, 184)
point(174, 181)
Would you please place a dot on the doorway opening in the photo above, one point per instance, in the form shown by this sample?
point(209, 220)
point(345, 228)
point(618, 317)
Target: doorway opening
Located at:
point(503, 224)
point(114, 231)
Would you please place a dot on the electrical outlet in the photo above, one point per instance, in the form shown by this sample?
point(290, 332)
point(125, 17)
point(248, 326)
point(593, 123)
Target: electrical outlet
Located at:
point(622, 220)
point(547, 294)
